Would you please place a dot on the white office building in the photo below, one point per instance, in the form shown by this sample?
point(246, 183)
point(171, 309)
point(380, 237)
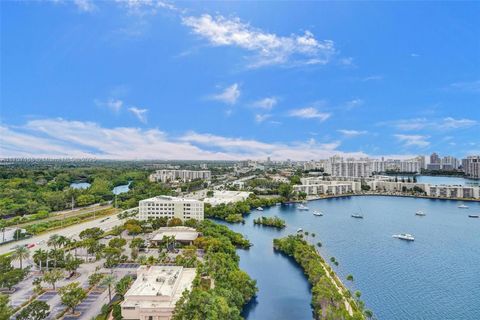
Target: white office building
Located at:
point(181, 175)
point(155, 292)
point(170, 207)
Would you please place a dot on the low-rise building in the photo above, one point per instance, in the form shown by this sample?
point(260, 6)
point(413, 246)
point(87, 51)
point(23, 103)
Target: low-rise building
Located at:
point(181, 234)
point(182, 175)
point(318, 186)
point(170, 207)
point(155, 292)
point(225, 196)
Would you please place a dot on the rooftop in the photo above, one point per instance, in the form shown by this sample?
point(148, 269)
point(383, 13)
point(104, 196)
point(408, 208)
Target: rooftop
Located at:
point(180, 233)
point(159, 286)
point(170, 198)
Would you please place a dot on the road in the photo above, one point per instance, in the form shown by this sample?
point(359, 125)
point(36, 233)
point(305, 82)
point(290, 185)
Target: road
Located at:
point(69, 232)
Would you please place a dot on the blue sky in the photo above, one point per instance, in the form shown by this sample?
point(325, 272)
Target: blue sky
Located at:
point(231, 80)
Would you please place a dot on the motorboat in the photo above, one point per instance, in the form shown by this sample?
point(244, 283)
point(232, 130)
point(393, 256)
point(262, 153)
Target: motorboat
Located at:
point(302, 207)
point(473, 216)
point(357, 216)
point(317, 213)
point(462, 206)
point(404, 236)
point(260, 209)
point(299, 230)
point(420, 213)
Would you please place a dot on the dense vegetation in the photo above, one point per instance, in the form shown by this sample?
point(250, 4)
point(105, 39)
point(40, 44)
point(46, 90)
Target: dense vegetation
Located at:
point(327, 301)
point(233, 212)
point(220, 289)
point(40, 190)
point(270, 222)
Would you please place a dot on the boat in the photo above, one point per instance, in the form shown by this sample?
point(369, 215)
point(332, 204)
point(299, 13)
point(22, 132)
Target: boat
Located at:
point(260, 209)
point(317, 213)
point(302, 207)
point(462, 206)
point(420, 213)
point(356, 215)
point(404, 236)
point(299, 230)
point(473, 216)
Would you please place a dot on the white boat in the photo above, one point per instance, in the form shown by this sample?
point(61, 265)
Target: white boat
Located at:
point(474, 216)
point(260, 209)
point(299, 230)
point(317, 213)
point(420, 213)
point(302, 207)
point(357, 216)
point(462, 206)
point(404, 236)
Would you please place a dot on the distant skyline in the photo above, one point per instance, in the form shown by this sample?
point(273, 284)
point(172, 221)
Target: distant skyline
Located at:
point(239, 80)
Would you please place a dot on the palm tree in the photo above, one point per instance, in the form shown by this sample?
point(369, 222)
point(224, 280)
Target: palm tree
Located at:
point(39, 256)
point(20, 253)
point(53, 241)
point(109, 281)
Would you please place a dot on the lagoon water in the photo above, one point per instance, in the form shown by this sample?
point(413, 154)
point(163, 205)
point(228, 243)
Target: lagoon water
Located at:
point(434, 277)
point(121, 189)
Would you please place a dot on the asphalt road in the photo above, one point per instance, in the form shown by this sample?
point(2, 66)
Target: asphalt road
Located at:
point(40, 241)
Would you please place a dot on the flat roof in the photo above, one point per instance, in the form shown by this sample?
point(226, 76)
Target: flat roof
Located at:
point(180, 233)
point(170, 198)
point(159, 286)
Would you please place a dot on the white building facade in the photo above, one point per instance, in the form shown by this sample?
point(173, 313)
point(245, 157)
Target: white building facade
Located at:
point(170, 207)
point(155, 292)
point(183, 175)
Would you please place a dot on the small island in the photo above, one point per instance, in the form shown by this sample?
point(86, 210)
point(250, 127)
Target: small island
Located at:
point(275, 222)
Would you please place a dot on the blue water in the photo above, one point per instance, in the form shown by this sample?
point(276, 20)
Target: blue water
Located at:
point(121, 189)
point(435, 277)
point(448, 180)
point(80, 185)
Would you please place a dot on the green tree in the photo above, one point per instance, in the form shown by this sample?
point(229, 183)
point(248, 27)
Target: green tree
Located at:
point(122, 285)
point(285, 190)
point(52, 277)
point(20, 253)
point(37, 310)
point(118, 243)
point(72, 263)
point(350, 277)
point(109, 281)
point(5, 309)
point(71, 295)
point(91, 233)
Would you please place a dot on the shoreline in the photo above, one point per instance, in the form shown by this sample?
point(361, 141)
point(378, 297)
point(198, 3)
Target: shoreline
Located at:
point(311, 198)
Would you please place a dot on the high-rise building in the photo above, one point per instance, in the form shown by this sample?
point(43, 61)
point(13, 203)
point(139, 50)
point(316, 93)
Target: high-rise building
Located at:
point(435, 162)
point(183, 175)
point(471, 167)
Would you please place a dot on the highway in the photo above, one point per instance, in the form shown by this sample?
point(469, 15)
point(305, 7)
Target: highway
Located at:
point(71, 232)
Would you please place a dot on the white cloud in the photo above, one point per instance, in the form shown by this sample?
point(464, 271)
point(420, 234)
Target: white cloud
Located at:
point(62, 138)
point(352, 133)
point(354, 103)
point(85, 5)
point(414, 55)
point(451, 123)
point(466, 86)
point(229, 96)
point(146, 7)
point(372, 78)
point(259, 118)
point(141, 114)
point(416, 124)
point(413, 140)
point(112, 104)
point(266, 103)
point(268, 48)
point(309, 113)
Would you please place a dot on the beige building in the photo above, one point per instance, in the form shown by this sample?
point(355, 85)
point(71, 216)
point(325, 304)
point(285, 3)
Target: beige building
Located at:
point(182, 175)
point(170, 207)
point(155, 292)
point(181, 234)
point(318, 186)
